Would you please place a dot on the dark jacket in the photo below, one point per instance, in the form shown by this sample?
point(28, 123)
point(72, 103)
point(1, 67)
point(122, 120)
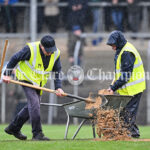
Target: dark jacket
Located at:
point(127, 59)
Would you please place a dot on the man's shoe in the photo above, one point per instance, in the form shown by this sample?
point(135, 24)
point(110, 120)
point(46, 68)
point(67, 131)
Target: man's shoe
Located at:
point(40, 137)
point(18, 134)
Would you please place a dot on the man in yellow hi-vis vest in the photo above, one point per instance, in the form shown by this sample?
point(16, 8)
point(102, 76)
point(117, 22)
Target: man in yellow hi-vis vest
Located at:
point(129, 77)
point(35, 63)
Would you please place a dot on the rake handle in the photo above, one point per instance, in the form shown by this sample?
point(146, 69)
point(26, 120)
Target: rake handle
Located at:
point(3, 57)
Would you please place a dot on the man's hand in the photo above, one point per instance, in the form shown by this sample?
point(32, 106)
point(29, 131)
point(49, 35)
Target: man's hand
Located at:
point(60, 92)
point(110, 91)
point(6, 79)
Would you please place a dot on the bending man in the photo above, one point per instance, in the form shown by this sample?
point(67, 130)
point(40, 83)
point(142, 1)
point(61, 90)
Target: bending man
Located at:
point(35, 63)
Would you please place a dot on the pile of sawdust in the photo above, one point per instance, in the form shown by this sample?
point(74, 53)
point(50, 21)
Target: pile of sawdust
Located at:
point(108, 124)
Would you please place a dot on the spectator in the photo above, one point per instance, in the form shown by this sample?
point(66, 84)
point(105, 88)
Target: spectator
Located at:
point(74, 36)
point(133, 15)
point(51, 13)
point(10, 13)
point(117, 15)
point(97, 23)
point(63, 14)
point(40, 14)
point(107, 16)
point(40, 17)
point(77, 13)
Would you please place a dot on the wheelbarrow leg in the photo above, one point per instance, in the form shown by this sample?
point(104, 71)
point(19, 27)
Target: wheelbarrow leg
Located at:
point(83, 121)
point(67, 126)
point(93, 128)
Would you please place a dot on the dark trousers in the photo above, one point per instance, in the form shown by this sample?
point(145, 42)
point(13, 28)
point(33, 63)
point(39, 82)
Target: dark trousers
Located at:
point(117, 17)
point(129, 114)
point(52, 23)
point(40, 19)
point(10, 18)
point(31, 110)
point(134, 25)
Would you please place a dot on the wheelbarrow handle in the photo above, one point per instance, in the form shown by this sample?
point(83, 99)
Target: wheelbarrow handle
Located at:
point(50, 104)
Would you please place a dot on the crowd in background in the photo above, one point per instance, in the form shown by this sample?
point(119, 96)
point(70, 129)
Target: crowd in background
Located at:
point(54, 17)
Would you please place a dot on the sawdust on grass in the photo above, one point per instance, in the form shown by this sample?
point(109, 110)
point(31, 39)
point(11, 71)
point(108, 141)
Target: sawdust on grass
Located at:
point(133, 140)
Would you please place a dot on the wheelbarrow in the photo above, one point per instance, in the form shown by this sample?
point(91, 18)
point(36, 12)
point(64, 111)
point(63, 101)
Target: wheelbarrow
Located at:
point(77, 109)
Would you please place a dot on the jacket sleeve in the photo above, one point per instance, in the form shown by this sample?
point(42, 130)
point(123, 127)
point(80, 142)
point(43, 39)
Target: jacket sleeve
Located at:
point(57, 71)
point(127, 64)
point(23, 54)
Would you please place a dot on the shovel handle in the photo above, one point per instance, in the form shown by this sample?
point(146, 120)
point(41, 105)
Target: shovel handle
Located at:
point(113, 81)
point(51, 91)
point(32, 86)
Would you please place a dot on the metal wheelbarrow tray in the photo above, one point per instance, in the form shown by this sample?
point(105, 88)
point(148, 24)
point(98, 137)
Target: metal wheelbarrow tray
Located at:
point(77, 109)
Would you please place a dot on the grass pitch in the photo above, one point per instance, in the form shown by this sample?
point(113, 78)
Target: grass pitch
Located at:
point(83, 140)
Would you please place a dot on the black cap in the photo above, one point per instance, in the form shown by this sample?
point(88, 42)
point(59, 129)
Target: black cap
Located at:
point(48, 43)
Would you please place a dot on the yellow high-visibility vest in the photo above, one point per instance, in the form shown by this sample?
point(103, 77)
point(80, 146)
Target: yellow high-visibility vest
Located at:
point(136, 83)
point(33, 70)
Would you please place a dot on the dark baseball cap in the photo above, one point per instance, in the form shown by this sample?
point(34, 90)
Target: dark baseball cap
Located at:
point(48, 43)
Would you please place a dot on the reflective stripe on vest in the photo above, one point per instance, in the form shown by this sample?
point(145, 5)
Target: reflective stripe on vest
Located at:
point(132, 83)
point(35, 54)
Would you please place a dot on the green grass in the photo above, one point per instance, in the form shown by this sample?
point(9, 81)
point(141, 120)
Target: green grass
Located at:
point(83, 140)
